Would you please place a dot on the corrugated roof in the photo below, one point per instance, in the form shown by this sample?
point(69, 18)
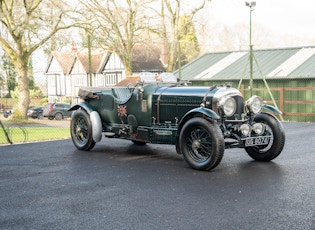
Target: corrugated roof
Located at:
point(305, 70)
point(292, 63)
point(220, 65)
point(297, 62)
point(192, 69)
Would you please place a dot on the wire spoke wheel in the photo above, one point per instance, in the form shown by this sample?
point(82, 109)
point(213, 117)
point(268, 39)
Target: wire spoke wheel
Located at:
point(81, 130)
point(199, 144)
point(202, 144)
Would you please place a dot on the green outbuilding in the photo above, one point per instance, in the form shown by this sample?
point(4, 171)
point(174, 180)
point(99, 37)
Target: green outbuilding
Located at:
point(284, 77)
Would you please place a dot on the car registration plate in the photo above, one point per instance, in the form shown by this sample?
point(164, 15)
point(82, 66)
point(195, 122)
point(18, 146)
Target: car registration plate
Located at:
point(253, 141)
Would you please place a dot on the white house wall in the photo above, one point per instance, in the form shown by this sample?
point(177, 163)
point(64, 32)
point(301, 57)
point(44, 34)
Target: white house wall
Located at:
point(56, 81)
point(68, 86)
point(114, 71)
point(78, 81)
point(78, 78)
point(61, 85)
point(114, 63)
point(51, 84)
point(54, 67)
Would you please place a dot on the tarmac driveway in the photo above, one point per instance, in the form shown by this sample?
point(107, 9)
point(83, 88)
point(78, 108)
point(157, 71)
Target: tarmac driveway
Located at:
point(51, 185)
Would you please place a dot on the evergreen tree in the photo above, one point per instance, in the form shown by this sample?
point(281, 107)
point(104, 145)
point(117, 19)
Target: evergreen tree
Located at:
point(10, 74)
point(189, 46)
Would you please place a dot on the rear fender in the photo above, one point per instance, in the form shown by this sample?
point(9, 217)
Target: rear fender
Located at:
point(94, 117)
point(87, 107)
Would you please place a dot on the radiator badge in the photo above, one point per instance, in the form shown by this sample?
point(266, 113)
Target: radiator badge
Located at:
point(122, 111)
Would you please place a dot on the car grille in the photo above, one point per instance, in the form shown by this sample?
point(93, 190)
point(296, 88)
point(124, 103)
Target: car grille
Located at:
point(239, 108)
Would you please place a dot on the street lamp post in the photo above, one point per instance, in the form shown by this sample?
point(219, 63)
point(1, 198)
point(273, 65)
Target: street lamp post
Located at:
point(251, 5)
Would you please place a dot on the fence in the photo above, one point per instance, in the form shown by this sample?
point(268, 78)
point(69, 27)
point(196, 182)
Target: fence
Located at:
point(8, 103)
point(296, 103)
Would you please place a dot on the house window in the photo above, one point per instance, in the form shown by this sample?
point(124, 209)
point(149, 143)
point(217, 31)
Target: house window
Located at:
point(111, 79)
point(79, 80)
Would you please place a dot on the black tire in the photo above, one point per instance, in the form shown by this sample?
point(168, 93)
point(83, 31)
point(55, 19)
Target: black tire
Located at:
point(58, 116)
point(81, 130)
point(274, 128)
point(51, 117)
point(202, 144)
point(140, 143)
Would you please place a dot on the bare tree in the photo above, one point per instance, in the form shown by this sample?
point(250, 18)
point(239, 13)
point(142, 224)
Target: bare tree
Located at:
point(29, 25)
point(170, 31)
point(118, 26)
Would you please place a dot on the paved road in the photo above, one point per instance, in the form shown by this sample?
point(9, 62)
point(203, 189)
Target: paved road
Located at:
point(51, 185)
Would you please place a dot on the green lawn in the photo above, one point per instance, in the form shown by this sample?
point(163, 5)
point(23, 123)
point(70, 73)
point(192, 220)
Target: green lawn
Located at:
point(36, 134)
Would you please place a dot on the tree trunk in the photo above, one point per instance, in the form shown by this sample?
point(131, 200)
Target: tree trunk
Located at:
point(172, 57)
point(128, 64)
point(128, 68)
point(23, 89)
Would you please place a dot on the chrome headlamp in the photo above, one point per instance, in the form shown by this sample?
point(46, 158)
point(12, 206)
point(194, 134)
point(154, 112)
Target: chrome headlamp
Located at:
point(254, 104)
point(227, 105)
point(259, 128)
point(245, 129)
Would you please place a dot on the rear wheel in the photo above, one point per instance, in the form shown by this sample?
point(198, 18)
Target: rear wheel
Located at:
point(81, 130)
point(58, 116)
point(201, 143)
point(275, 129)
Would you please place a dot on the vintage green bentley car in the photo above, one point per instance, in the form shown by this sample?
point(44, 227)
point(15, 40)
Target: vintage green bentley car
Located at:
point(200, 121)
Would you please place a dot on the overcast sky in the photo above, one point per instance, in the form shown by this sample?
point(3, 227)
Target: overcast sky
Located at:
point(294, 18)
point(282, 17)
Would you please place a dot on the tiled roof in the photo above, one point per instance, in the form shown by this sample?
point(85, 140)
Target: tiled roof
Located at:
point(144, 59)
point(64, 59)
point(147, 58)
point(295, 62)
point(97, 58)
point(148, 65)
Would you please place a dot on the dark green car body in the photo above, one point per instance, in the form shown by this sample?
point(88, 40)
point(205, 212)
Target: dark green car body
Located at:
point(200, 121)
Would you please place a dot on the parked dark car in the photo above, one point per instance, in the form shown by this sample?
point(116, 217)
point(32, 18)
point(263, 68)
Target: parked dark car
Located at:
point(57, 111)
point(36, 112)
point(7, 113)
point(200, 121)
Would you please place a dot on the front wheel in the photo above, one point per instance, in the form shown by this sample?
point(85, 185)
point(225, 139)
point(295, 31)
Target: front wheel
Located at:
point(275, 129)
point(202, 144)
point(81, 130)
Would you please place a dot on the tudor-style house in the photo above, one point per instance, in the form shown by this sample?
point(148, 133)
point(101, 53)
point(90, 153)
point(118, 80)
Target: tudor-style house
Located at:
point(68, 71)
